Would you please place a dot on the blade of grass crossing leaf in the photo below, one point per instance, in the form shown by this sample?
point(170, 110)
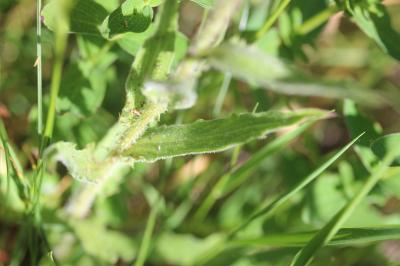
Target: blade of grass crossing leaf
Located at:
point(344, 237)
point(326, 234)
point(270, 208)
point(232, 180)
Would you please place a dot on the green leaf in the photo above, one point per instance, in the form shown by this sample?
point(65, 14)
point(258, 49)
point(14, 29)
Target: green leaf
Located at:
point(131, 16)
point(344, 237)
point(131, 41)
point(82, 90)
point(214, 135)
point(205, 3)
point(374, 20)
point(89, 17)
point(82, 164)
point(182, 249)
point(102, 243)
point(269, 72)
point(386, 144)
point(356, 124)
point(85, 17)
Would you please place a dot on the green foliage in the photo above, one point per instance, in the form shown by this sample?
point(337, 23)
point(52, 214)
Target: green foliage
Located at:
point(212, 136)
point(386, 145)
point(373, 19)
point(90, 17)
point(345, 236)
point(272, 73)
point(203, 132)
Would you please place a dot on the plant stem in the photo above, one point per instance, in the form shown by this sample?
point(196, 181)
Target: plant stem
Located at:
point(222, 93)
point(39, 66)
point(137, 114)
point(144, 246)
point(61, 39)
point(317, 20)
point(150, 113)
point(272, 19)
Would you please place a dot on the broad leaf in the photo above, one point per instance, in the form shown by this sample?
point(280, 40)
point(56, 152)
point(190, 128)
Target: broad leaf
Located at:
point(356, 124)
point(131, 16)
point(85, 17)
point(269, 72)
point(386, 144)
point(105, 244)
point(82, 91)
point(214, 135)
point(373, 19)
point(82, 164)
point(89, 17)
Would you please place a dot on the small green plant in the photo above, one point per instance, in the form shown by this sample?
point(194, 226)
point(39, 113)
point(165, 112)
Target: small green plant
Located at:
point(122, 171)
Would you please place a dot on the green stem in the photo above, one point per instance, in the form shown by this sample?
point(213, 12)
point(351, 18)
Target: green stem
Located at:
point(144, 246)
point(61, 39)
point(137, 113)
point(150, 113)
point(222, 93)
point(272, 19)
point(317, 20)
point(39, 66)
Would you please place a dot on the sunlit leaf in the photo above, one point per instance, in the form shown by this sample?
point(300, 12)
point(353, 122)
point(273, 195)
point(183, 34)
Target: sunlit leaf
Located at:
point(131, 16)
point(89, 17)
point(373, 19)
point(214, 135)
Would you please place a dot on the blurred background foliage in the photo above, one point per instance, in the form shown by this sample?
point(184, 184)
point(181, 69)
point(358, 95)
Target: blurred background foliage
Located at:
point(92, 95)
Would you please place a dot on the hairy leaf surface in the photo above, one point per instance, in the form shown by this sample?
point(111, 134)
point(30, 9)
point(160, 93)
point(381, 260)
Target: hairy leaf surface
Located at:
point(214, 135)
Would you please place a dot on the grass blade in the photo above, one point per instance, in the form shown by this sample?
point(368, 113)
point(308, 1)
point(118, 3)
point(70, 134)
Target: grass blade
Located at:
point(274, 16)
point(344, 237)
point(239, 175)
point(270, 208)
point(326, 234)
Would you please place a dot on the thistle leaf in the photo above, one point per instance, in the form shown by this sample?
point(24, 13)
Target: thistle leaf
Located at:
point(213, 135)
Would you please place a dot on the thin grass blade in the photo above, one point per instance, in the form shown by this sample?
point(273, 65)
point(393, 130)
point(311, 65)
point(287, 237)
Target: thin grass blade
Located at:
point(326, 234)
